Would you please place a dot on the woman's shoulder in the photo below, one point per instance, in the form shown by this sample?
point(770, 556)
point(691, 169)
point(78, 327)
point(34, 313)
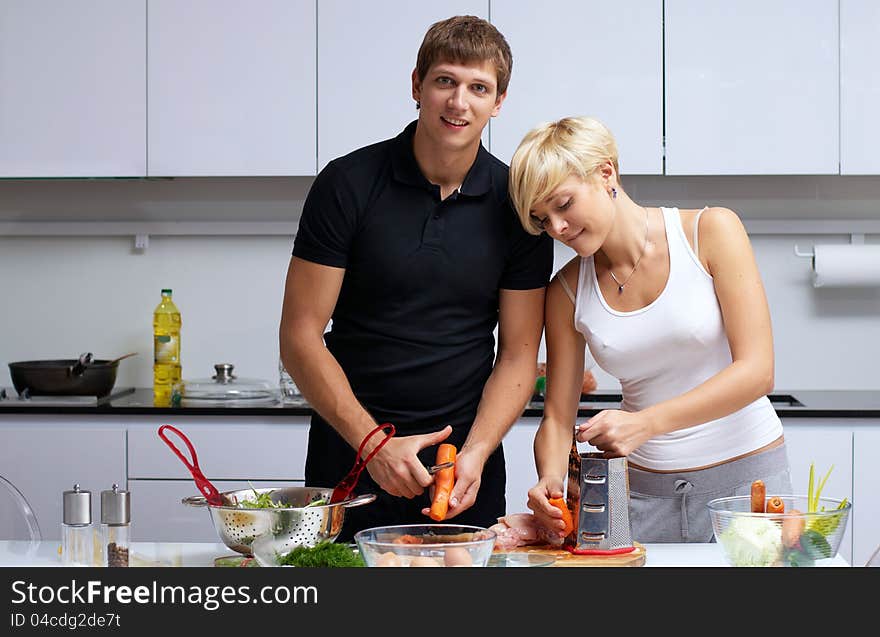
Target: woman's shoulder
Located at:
point(713, 220)
point(570, 273)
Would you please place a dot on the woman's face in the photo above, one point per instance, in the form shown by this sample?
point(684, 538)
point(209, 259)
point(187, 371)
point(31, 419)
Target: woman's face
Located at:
point(579, 213)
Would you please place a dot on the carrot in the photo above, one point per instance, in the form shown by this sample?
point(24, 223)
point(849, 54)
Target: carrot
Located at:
point(759, 493)
point(775, 505)
point(560, 504)
point(792, 528)
point(444, 480)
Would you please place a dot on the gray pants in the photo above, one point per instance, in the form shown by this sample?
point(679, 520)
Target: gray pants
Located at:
point(671, 507)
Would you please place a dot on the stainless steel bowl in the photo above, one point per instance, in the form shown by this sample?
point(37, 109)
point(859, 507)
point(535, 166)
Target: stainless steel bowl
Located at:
point(282, 528)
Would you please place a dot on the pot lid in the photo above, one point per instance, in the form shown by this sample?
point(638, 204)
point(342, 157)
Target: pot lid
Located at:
point(224, 387)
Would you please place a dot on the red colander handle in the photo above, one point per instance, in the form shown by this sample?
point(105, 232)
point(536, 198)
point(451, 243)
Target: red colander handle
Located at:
point(347, 484)
point(212, 495)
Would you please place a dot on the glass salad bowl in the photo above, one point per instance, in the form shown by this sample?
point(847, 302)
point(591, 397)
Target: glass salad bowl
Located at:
point(426, 545)
point(796, 537)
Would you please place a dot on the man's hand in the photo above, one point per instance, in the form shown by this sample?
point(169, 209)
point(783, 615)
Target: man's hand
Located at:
point(397, 469)
point(468, 474)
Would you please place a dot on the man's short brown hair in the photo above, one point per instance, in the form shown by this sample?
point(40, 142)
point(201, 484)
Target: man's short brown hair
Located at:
point(465, 39)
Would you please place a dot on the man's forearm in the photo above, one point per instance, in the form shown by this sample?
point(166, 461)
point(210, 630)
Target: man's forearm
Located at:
point(324, 385)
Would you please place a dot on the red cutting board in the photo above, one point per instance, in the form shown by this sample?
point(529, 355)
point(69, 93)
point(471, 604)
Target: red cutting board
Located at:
point(636, 557)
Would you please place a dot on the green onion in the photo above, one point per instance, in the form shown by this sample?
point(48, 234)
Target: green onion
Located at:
point(810, 491)
point(820, 487)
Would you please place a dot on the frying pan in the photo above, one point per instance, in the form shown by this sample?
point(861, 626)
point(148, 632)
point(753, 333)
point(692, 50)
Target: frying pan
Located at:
point(65, 377)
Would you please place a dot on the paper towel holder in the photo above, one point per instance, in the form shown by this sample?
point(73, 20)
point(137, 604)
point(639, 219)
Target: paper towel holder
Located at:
point(854, 239)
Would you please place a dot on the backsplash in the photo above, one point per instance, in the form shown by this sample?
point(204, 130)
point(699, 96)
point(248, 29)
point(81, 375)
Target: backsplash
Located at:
point(64, 296)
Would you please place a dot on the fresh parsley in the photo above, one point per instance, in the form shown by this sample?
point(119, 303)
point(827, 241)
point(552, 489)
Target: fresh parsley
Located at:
point(323, 554)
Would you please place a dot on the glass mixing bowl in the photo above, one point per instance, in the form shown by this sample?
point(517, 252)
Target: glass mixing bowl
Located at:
point(792, 538)
point(426, 545)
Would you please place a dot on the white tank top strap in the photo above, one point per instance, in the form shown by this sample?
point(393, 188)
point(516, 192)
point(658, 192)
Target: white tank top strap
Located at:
point(566, 287)
point(696, 227)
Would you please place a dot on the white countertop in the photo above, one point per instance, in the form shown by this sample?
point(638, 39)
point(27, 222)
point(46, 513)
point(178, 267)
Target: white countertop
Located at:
point(46, 553)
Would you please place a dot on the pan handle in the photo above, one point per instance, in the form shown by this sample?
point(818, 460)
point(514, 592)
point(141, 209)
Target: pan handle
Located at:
point(195, 501)
point(360, 500)
point(79, 367)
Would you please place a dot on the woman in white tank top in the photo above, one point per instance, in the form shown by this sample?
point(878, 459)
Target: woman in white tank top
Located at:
point(670, 302)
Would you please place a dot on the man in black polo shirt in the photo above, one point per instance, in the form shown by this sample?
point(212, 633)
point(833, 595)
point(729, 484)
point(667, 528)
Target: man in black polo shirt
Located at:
point(411, 247)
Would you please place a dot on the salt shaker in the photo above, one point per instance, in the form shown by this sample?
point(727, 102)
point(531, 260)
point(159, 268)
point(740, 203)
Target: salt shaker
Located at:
point(76, 528)
point(115, 526)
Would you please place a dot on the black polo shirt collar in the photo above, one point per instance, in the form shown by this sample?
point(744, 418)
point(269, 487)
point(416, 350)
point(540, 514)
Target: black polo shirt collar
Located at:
point(477, 182)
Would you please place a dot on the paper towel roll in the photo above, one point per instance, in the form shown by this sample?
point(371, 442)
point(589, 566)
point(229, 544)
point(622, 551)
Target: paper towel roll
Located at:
point(846, 265)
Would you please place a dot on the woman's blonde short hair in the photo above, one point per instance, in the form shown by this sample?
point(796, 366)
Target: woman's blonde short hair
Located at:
point(552, 152)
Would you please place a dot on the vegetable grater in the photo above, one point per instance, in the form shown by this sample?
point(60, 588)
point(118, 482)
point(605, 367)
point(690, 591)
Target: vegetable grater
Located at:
point(598, 497)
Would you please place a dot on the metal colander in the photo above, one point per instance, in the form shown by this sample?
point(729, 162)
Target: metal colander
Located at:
point(281, 529)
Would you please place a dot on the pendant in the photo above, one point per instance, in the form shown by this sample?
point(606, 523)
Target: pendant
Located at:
point(619, 289)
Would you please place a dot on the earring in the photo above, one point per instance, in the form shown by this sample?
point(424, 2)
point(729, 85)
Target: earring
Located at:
point(614, 193)
point(418, 105)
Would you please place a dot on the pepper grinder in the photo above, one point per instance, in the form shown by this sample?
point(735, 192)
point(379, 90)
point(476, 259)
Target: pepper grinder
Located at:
point(76, 528)
point(115, 526)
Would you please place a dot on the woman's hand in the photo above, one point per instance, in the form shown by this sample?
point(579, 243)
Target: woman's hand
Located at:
point(547, 515)
point(616, 433)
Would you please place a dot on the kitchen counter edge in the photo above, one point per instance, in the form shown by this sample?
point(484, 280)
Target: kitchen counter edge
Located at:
point(810, 404)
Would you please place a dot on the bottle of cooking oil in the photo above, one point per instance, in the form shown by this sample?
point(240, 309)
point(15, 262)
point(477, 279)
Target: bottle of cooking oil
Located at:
point(166, 349)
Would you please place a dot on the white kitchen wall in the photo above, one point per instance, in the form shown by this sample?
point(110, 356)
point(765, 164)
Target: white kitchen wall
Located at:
point(63, 296)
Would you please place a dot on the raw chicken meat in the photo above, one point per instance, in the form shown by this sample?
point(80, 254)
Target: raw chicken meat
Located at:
point(522, 529)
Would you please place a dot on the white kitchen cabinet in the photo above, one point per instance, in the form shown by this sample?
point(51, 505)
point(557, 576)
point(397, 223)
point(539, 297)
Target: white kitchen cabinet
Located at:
point(859, 87)
point(73, 96)
point(231, 87)
point(45, 461)
point(519, 457)
point(825, 442)
point(866, 492)
point(752, 87)
point(366, 55)
point(613, 73)
point(238, 449)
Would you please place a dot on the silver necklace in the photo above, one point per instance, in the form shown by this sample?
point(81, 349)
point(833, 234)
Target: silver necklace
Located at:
point(619, 284)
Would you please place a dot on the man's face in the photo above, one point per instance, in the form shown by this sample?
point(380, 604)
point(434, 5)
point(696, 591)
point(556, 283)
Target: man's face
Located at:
point(457, 101)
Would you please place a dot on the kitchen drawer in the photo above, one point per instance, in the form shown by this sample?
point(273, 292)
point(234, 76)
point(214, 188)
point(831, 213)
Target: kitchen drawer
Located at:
point(225, 452)
point(157, 514)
